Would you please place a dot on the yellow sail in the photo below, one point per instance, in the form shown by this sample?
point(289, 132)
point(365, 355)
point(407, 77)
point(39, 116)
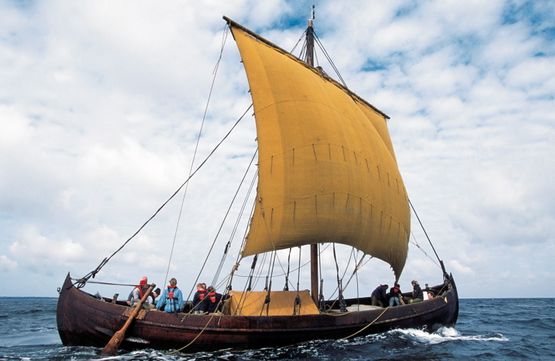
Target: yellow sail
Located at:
point(327, 169)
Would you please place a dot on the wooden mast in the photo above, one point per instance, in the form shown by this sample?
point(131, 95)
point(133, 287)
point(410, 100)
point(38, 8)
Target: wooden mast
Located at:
point(313, 247)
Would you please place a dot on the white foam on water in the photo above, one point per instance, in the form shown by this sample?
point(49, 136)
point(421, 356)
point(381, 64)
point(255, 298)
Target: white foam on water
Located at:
point(142, 355)
point(362, 340)
point(109, 358)
point(445, 334)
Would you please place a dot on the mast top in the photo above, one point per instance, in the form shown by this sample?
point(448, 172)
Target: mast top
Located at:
point(312, 16)
point(310, 40)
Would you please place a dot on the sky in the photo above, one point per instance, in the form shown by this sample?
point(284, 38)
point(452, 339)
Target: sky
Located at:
point(101, 104)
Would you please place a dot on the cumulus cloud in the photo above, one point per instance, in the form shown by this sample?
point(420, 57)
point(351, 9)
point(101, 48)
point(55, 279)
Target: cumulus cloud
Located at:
point(101, 112)
point(7, 264)
point(41, 252)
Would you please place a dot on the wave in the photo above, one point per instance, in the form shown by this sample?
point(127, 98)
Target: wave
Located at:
point(32, 311)
point(149, 355)
point(445, 334)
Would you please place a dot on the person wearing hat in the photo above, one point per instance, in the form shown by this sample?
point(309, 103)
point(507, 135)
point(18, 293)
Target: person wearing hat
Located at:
point(417, 294)
point(138, 292)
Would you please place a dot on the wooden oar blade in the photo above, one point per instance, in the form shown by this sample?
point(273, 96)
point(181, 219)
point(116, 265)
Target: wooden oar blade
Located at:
point(112, 346)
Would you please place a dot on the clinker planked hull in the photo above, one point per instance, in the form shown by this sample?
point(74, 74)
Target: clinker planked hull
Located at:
point(84, 320)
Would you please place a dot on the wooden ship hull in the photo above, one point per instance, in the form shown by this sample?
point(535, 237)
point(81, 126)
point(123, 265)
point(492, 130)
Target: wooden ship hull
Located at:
point(85, 320)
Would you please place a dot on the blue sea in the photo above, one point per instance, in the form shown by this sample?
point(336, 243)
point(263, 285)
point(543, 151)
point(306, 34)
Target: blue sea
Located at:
point(488, 329)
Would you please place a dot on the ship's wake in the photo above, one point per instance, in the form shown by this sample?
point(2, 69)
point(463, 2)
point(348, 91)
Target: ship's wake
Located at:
point(444, 334)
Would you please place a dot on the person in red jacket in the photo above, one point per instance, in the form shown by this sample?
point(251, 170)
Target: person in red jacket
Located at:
point(395, 297)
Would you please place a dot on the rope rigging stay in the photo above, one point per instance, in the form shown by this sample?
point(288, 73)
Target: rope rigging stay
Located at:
point(83, 280)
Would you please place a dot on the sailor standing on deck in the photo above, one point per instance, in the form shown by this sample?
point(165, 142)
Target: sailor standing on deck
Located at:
point(171, 299)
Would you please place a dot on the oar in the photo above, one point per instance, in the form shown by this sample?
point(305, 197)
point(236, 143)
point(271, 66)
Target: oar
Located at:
point(112, 345)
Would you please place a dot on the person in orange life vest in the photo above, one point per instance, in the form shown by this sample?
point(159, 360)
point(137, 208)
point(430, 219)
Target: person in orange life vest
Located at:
point(213, 299)
point(171, 299)
point(199, 303)
point(138, 292)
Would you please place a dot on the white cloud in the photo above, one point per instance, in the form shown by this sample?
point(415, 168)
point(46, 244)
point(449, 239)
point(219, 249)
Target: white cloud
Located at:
point(7, 264)
point(459, 268)
point(15, 130)
point(100, 114)
point(39, 252)
point(509, 46)
point(536, 76)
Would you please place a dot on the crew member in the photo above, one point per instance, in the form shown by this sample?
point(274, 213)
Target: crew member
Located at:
point(200, 304)
point(138, 292)
point(379, 296)
point(395, 296)
point(171, 299)
point(213, 299)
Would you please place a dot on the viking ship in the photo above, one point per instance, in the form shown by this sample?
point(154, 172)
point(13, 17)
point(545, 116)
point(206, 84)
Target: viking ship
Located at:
point(327, 174)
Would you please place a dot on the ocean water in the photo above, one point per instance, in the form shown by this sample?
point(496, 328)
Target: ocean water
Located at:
point(488, 329)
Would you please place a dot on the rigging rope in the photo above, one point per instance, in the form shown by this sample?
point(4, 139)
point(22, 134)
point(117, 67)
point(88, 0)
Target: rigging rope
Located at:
point(253, 267)
point(248, 285)
point(215, 72)
point(260, 270)
point(196, 337)
point(358, 267)
point(344, 272)
point(321, 300)
point(82, 281)
point(236, 225)
point(329, 59)
point(298, 41)
point(355, 271)
point(413, 241)
point(234, 230)
point(238, 259)
point(268, 287)
point(299, 270)
point(426, 233)
point(107, 283)
point(301, 266)
point(316, 60)
point(286, 287)
point(302, 55)
point(342, 304)
point(221, 225)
